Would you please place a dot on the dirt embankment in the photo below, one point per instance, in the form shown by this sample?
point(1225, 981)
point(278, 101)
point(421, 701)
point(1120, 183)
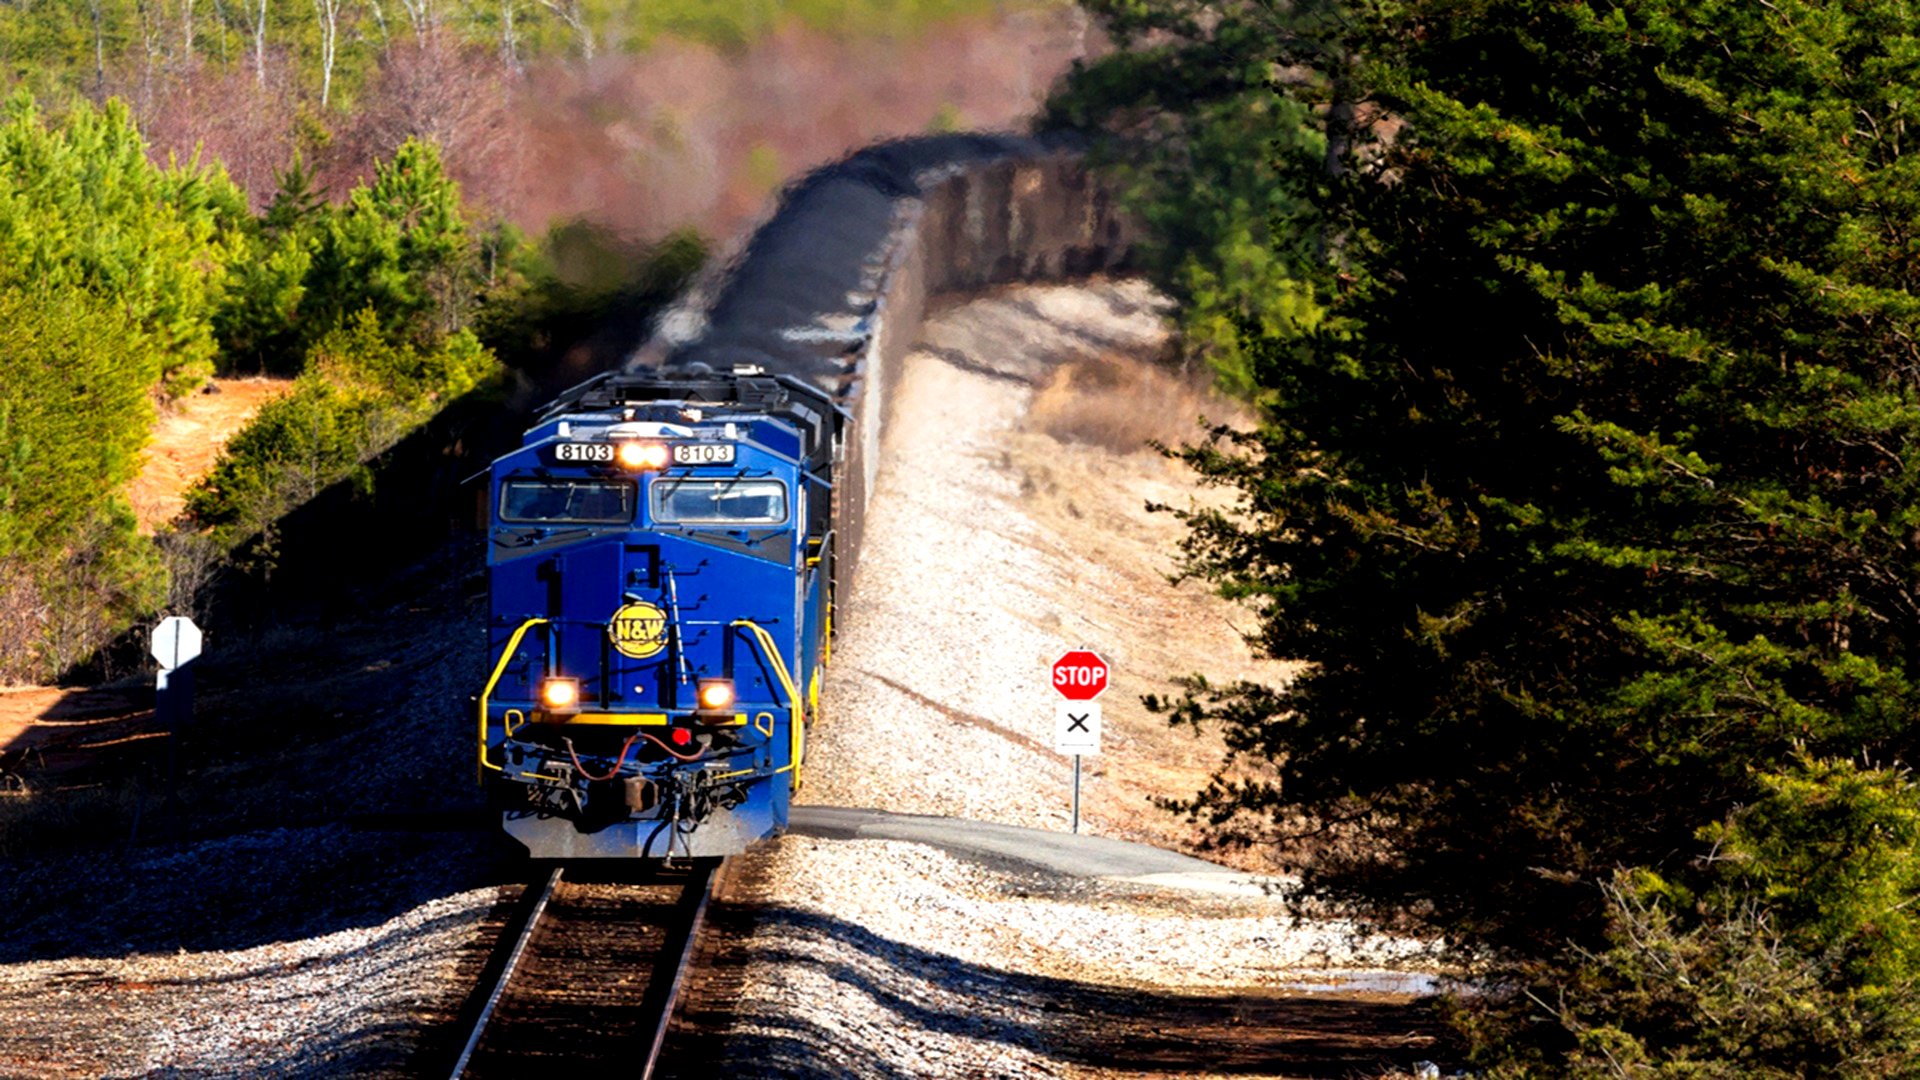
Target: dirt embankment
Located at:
point(1009, 525)
point(187, 440)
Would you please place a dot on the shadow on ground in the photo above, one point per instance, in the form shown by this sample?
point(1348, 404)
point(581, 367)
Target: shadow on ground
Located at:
point(1070, 1022)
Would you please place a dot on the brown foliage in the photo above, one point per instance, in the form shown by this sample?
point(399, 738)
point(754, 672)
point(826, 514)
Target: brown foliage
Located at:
point(459, 97)
point(682, 135)
point(226, 114)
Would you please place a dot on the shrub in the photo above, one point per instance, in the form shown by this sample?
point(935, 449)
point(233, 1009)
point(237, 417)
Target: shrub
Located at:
point(74, 414)
point(81, 208)
point(1799, 959)
point(362, 392)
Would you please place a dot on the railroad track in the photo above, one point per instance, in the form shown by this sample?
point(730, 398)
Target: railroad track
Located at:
point(588, 971)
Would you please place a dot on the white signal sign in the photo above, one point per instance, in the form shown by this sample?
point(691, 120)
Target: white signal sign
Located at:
point(176, 641)
point(1076, 728)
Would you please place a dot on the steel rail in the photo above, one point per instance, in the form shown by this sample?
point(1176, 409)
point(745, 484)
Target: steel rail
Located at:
point(698, 892)
point(506, 973)
point(679, 930)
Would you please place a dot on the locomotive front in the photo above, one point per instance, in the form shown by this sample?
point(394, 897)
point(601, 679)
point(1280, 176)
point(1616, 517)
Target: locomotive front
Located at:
point(660, 574)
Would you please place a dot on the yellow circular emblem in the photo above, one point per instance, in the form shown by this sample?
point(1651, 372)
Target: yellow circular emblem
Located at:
point(638, 630)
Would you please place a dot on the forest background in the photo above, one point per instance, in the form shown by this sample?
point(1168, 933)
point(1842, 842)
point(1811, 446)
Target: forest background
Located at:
point(393, 205)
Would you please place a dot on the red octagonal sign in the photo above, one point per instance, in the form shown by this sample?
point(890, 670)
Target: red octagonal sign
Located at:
point(1080, 675)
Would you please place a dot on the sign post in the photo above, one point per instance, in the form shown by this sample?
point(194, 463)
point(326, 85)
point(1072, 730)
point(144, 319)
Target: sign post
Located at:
point(175, 645)
point(1080, 676)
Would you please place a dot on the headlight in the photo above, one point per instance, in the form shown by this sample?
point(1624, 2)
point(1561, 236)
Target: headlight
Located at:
point(715, 693)
point(560, 694)
point(642, 455)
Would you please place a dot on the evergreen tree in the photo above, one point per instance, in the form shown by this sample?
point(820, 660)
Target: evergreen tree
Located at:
point(81, 207)
point(260, 324)
point(1591, 501)
point(1194, 96)
point(401, 247)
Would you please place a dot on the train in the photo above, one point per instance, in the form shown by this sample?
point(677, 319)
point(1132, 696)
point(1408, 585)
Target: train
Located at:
point(670, 542)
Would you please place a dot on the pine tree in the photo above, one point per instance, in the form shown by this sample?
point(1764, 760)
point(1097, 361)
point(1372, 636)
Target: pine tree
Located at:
point(400, 247)
point(1591, 501)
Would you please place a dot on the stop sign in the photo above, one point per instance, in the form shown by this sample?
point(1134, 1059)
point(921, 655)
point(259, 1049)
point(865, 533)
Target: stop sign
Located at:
point(1080, 675)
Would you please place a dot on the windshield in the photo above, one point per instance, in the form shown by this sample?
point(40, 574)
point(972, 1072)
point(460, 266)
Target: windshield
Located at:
point(719, 502)
point(585, 502)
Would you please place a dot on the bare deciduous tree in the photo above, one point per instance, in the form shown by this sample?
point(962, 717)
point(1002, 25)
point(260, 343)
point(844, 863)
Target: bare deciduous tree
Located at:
point(328, 12)
point(150, 47)
point(380, 20)
point(186, 31)
point(99, 48)
point(509, 38)
point(434, 88)
point(569, 12)
point(423, 14)
point(220, 20)
point(258, 10)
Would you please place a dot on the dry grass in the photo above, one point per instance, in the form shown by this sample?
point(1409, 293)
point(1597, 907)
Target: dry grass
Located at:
point(1125, 404)
point(1088, 476)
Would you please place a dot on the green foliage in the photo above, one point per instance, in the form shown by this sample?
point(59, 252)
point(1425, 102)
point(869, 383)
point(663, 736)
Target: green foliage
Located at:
point(109, 268)
point(576, 276)
point(259, 324)
point(1593, 498)
point(735, 23)
point(118, 281)
point(81, 208)
point(74, 410)
point(1796, 958)
point(400, 246)
point(361, 393)
point(1834, 850)
point(1241, 246)
point(74, 414)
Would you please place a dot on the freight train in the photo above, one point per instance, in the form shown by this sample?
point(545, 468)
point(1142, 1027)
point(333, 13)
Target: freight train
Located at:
point(669, 542)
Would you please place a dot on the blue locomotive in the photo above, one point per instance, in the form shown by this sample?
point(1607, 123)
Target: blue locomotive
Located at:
point(662, 563)
point(667, 543)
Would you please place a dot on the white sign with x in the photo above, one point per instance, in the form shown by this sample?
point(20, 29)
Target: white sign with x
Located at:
point(1076, 728)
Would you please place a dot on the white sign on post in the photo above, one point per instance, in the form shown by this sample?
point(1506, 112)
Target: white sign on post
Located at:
point(176, 641)
point(1076, 728)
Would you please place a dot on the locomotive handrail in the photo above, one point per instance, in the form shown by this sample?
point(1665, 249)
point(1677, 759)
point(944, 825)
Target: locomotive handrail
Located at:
point(772, 649)
point(822, 540)
point(513, 646)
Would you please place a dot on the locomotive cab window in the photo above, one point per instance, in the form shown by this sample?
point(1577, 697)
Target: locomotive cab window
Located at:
point(578, 502)
point(719, 502)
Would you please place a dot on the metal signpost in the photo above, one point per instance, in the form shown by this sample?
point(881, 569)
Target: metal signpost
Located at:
point(1079, 676)
point(175, 645)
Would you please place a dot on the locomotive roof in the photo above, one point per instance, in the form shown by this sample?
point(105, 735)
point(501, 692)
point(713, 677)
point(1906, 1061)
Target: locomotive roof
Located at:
point(807, 408)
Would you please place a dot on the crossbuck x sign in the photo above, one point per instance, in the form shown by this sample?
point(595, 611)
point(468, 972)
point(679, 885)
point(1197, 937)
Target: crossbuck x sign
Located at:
point(1076, 728)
